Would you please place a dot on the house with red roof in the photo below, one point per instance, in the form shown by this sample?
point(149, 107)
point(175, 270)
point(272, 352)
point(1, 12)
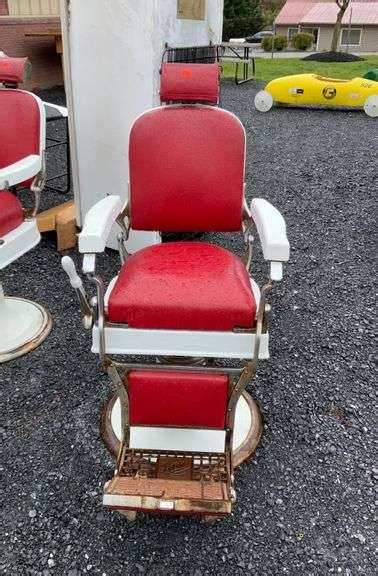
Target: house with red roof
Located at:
point(359, 30)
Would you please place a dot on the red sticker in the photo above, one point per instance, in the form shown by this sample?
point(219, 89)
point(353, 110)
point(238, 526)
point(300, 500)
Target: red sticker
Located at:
point(186, 73)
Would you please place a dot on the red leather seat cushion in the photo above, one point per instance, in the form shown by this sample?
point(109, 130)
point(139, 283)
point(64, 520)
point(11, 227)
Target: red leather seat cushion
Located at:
point(178, 399)
point(183, 286)
point(11, 214)
point(189, 82)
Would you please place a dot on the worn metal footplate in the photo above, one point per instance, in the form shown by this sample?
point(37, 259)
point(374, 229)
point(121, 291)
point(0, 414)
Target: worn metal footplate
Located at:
point(172, 483)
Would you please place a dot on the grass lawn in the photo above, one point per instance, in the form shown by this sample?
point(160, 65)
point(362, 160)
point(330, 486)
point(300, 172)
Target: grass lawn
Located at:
point(269, 68)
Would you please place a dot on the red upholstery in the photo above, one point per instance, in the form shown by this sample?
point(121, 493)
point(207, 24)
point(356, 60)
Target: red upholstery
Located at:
point(189, 83)
point(20, 126)
point(186, 170)
point(14, 70)
point(185, 399)
point(11, 215)
point(183, 286)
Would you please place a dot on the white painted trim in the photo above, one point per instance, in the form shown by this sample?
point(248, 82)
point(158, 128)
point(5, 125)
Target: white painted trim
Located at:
point(98, 223)
point(256, 293)
point(20, 171)
point(18, 241)
point(271, 227)
point(109, 290)
point(347, 30)
point(61, 109)
point(183, 439)
point(291, 28)
point(65, 16)
point(210, 344)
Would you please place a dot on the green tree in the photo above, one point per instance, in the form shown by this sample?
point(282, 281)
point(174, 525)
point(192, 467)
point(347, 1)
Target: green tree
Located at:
point(241, 18)
point(238, 8)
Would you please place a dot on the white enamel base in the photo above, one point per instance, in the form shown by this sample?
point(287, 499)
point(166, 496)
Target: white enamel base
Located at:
point(24, 325)
point(185, 439)
point(18, 241)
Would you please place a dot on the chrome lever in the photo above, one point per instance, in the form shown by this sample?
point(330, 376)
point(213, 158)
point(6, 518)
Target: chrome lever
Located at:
point(69, 267)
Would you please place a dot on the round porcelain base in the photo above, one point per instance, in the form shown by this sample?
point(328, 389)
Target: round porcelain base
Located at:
point(247, 432)
point(24, 325)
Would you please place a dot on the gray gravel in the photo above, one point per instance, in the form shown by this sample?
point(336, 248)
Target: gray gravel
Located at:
point(305, 501)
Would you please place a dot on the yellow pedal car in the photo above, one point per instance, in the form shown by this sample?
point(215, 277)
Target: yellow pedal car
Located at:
point(314, 90)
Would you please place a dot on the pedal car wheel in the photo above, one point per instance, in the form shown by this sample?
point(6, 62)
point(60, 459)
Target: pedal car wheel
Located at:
point(263, 101)
point(371, 106)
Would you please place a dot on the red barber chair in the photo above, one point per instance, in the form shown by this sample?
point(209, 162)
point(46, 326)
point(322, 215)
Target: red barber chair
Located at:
point(23, 324)
point(179, 425)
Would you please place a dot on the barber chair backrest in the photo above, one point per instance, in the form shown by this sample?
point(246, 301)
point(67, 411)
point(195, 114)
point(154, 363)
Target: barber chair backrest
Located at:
point(189, 83)
point(187, 170)
point(20, 121)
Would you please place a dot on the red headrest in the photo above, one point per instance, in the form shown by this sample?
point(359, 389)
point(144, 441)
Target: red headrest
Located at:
point(189, 83)
point(14, 70)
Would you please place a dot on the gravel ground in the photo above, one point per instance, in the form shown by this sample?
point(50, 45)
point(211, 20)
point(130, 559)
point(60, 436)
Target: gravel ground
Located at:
point(305, 501)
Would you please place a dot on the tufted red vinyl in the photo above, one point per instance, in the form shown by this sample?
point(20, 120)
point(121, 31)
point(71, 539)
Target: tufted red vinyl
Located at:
point(184, 399)
point(13, 70)
point(189, 83)
point(11, 215)
point(20, 126)
point(183, 286)
point(186, 169)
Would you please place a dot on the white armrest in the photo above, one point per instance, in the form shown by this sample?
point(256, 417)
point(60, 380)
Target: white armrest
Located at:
point(61, 109)
point(272, 232)
point(97, 225)
point(20, 171)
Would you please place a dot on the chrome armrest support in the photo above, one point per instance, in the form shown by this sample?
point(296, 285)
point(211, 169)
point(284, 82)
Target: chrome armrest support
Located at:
point(123, 221)
point(77, 284)
point(100, 301)
point(38, 185)
point(247, 227)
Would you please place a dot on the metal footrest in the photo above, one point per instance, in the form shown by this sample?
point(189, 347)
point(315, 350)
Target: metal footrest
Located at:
point(171, 482)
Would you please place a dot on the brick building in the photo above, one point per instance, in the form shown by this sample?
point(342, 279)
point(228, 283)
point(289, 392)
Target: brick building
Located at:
point(19, 20)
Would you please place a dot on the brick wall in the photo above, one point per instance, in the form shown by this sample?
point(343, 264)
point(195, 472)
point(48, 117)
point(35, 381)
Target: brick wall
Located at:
point(3, 7)
point(46, 63)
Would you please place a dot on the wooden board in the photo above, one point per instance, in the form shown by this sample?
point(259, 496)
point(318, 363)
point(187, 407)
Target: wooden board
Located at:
point(62, 219)
point(191, 9)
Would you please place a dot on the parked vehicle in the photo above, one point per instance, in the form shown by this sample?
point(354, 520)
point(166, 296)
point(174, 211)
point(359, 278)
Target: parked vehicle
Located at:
point(257, 38)
point(315, 90)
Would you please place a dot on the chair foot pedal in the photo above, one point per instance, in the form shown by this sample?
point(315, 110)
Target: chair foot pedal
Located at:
point(171, 483)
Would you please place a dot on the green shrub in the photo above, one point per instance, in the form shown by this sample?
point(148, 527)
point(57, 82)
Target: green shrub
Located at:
point(280, 42)
point(241, 27)
point(302, 41)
